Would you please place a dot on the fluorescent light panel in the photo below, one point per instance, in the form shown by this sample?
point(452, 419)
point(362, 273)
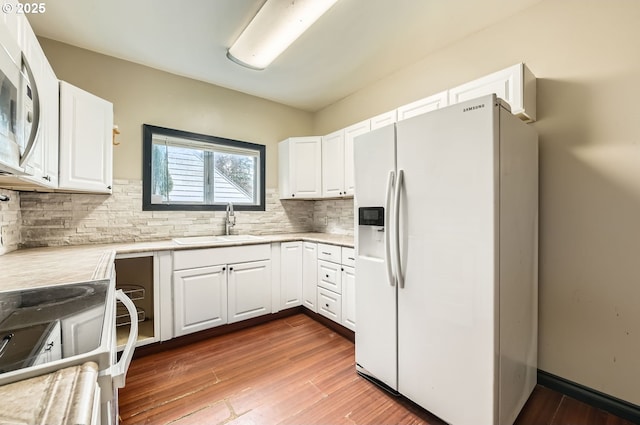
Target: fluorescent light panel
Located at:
point(276, 25)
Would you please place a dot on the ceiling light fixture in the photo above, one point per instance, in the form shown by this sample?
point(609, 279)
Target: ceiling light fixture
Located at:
point(276, 25)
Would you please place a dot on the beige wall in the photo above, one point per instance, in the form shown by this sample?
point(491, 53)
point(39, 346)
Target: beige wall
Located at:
point(143, 95)
point(586, 57)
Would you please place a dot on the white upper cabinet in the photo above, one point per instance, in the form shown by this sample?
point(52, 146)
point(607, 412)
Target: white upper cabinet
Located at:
point(86, 125)
point(516, 85)
point(337, 160)
point(50, 122)
point(422, 106)
point(333, 165)
point(300, 167)
point(350, 133)
point(384, 120)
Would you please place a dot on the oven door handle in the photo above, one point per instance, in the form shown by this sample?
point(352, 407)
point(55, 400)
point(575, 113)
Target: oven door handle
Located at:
point(119, 370)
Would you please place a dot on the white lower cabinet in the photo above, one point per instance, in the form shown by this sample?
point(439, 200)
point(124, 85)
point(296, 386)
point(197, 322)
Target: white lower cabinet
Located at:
point(249, 290)
point(215, 286)
point(52, 346)
point(349, 297)
point(200, 299)
point(330, 304)
point(291, 274)
point(336, 284)
point(310, 276)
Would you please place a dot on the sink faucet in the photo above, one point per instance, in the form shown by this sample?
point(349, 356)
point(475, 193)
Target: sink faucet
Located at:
point(228, 223)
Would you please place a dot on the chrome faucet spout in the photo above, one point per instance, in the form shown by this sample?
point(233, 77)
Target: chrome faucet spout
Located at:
point(228, 223)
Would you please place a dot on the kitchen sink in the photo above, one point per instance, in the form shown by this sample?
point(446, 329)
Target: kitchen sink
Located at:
point(240, 238)
point(206, 240)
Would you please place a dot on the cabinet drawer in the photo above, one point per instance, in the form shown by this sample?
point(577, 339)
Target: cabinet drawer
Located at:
point(348, 257)
point(329, 252)
point(194, 258)
point(329, 276)
point(330, 304)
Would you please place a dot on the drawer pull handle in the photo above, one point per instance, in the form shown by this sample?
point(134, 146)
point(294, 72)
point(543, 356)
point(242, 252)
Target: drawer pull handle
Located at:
point(327, 275)
point(327, 305)
point(351, 258)
point(326, 253)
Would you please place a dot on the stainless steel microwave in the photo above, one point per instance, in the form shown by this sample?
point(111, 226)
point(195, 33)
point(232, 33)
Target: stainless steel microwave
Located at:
point(19, 106)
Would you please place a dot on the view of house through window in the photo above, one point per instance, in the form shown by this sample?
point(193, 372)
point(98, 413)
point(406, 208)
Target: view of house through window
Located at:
point(189, 170)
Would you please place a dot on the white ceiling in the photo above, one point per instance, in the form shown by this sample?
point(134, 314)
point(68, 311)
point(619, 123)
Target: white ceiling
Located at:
point(354, 44)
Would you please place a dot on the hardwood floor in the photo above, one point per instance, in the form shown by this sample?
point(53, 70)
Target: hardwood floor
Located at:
point(290, 371)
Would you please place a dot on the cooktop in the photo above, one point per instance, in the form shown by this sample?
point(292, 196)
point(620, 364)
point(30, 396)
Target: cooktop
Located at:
point(29, 320)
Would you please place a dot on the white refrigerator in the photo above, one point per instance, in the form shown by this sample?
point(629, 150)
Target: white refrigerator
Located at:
point(446, 216)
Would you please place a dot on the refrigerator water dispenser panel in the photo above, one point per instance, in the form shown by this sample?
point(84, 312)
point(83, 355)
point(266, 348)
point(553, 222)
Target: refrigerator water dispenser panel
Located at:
point(371, 232)
point(371, 216)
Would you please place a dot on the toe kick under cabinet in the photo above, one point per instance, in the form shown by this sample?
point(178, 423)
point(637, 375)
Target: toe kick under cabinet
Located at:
point(215, 286)
point(336, 284)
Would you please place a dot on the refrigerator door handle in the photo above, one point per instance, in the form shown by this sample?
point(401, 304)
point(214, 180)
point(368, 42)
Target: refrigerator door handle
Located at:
point(387, 234)
point(396, 229)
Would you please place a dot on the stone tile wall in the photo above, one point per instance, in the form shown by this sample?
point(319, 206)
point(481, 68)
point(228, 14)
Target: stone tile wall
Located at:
point(10, 222)
point(333, 216)
point(53, 219)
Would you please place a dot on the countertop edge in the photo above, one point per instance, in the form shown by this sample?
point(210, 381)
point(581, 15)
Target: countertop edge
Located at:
point(59, 265)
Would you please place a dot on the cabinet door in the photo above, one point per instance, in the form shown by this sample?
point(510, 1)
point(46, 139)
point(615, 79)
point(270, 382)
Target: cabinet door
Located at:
point(516, 85)
point(349, 297)
point(81, 332)
point(200, 299)
point(291, 274)
point(86, 125)
point(52, 346)
point(310, 276)
point(333, 164)
point(423, 106)
point(249, 290)
point(50, 125)
point(350, 133)
point(305, 165)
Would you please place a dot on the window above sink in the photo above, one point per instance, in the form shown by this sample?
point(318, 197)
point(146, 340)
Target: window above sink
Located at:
point(189, 171)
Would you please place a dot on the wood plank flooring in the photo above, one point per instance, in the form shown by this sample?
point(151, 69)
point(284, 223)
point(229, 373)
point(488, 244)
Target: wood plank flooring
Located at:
point(290, 371)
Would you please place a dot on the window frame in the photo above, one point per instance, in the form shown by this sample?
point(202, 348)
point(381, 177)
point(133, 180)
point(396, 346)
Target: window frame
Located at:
point(148, 131)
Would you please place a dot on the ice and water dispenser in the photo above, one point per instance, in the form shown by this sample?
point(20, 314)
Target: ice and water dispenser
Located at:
point(371, 228)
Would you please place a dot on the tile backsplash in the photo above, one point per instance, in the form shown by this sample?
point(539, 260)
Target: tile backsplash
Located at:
point(52, 219)
point(10, 221)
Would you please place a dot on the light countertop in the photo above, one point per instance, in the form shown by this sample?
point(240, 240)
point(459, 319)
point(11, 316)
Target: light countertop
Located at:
point(36, 267)
point(62, 397)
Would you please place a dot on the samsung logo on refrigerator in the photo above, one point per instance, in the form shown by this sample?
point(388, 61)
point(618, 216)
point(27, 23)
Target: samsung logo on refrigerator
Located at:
point(473, 108)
